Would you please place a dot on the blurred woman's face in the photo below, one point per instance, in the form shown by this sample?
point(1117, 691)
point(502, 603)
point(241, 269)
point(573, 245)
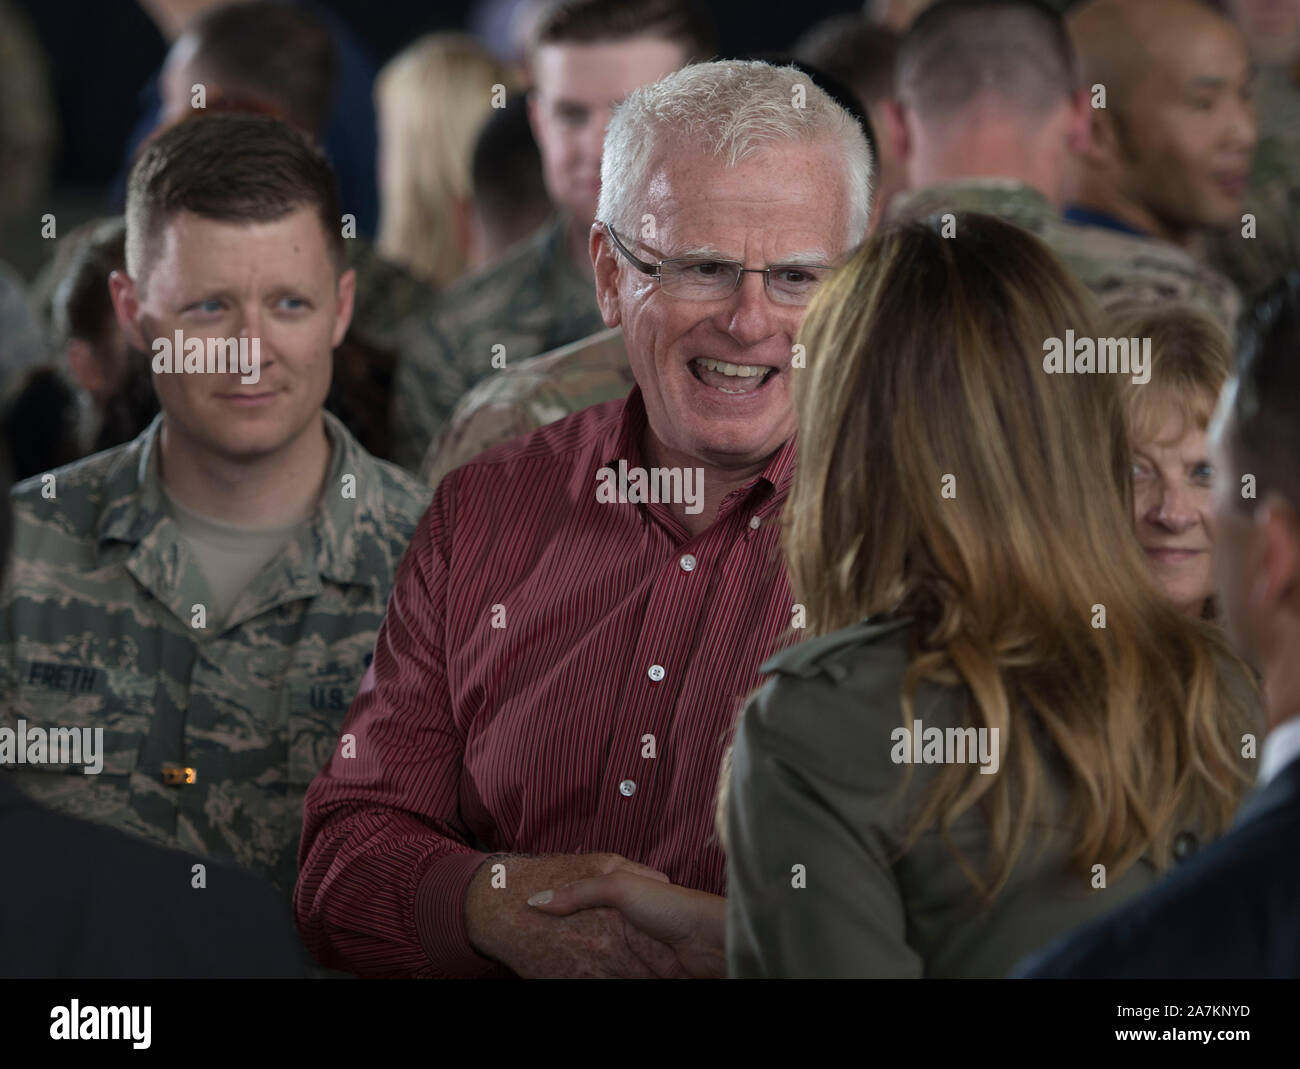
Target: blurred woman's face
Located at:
point(1172, 478)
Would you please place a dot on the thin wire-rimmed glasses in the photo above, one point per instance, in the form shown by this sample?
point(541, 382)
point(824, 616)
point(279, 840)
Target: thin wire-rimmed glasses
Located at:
point(704, 278)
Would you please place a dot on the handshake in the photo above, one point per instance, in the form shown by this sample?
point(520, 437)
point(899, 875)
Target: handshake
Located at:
point(592, 916)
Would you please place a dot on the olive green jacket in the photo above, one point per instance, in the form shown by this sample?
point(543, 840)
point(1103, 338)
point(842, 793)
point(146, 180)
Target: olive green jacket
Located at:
point(815, 819)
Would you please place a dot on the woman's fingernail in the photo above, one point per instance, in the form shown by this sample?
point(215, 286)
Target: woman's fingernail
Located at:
point(541, 898)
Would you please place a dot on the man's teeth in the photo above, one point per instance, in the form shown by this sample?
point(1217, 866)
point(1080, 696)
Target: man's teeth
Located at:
point(745, 371)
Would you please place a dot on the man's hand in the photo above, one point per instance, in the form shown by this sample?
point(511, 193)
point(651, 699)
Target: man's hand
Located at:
point(593, 942)
point(692, 923)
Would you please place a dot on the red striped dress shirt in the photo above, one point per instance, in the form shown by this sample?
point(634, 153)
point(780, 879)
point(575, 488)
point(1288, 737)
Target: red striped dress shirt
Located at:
point(534, 638)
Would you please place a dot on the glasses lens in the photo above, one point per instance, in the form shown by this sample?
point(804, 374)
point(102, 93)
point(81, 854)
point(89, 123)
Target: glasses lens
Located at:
point(699, 280)
point(796, 284)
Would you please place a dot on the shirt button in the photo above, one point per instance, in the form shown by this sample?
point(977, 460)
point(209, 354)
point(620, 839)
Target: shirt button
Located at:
point(1184, 845)
point(687, 562)
point(754, 523)
point(656, 673)
point(627, 788)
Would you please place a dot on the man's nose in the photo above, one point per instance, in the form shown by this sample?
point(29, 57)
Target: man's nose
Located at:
point(1242, 129)
point(752, 315)
point(249, 324)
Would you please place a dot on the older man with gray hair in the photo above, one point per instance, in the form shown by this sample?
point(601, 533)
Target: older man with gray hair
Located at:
point(581, 609)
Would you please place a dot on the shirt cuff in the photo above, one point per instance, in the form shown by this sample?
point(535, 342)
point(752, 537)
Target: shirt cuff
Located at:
point(440, 917)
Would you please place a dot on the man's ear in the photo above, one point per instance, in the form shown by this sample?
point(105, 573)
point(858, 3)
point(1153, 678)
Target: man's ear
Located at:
point(1277, 535)
point(347, 291)
point(604, 264)
point(126, 306)
point(894, 120)
point(85, 369)
point(1079, 131)
point(1102, 145)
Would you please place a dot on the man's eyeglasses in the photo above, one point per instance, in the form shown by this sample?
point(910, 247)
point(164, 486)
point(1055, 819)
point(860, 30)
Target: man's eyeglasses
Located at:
point(702, 278)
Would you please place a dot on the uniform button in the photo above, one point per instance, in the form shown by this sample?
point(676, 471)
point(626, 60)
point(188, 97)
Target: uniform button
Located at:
point(687, 562)
point(656, 673)
point(1184, 845)
point(754, 523)
point(627, 788)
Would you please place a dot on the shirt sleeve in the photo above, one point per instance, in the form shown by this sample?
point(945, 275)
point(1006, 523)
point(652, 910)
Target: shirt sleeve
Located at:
point(385, 859)
point(810, 888)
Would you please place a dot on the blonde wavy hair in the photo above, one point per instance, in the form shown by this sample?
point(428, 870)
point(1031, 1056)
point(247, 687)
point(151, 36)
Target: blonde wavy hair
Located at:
point(1191, 359)
point(925, 360)
point(430, 101)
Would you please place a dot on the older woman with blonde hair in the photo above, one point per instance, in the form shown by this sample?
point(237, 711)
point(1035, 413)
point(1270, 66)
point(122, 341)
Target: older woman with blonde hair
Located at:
point(999, 727)
point(431, 99)
point(1168, 417)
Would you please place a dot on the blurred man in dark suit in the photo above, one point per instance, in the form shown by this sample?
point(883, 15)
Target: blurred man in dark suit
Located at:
point(125, 908)
point(1234, 909)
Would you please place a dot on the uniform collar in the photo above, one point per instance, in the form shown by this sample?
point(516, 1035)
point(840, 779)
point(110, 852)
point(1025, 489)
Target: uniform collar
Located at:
point(993, 196)
point(1281, 747)
point(135, 513)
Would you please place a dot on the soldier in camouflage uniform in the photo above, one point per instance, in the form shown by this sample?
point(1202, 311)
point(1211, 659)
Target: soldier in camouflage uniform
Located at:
point(1173, 129)
point(537, 392)
point(1121, 270)
point(389, 299)
point(1267, 246)
point(991, 121)
point(533, 301)
point(97, 630)
point(585, 54)
point(219, 700)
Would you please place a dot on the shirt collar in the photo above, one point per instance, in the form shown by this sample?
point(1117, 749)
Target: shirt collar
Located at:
point(770, 486)
point(1088, 217)
point(1280, 748)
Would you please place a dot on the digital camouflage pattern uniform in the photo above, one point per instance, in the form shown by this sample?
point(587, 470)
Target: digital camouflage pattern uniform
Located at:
point(533, 301)
point(1119, 269)
point(96, 631)
point(522, 398)
point(1273, 194)
point(388, 297)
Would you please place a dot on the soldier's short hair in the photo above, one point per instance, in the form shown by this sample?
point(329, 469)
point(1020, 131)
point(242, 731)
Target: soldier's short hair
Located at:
point(81, 306)
point(852, 50)
point(1265, 415)
point(276, 52)
point(959, 49)
point(594, 21)
point(230, 168)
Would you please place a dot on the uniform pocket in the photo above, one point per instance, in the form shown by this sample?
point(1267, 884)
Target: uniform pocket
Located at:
point(318, 703)
point(75, 718)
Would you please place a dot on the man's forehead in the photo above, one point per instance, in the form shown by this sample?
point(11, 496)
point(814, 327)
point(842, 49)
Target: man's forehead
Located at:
point(602, 72)
point(694, 202)
point(185, 229)
point(210, 249)
point(1208, 50)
